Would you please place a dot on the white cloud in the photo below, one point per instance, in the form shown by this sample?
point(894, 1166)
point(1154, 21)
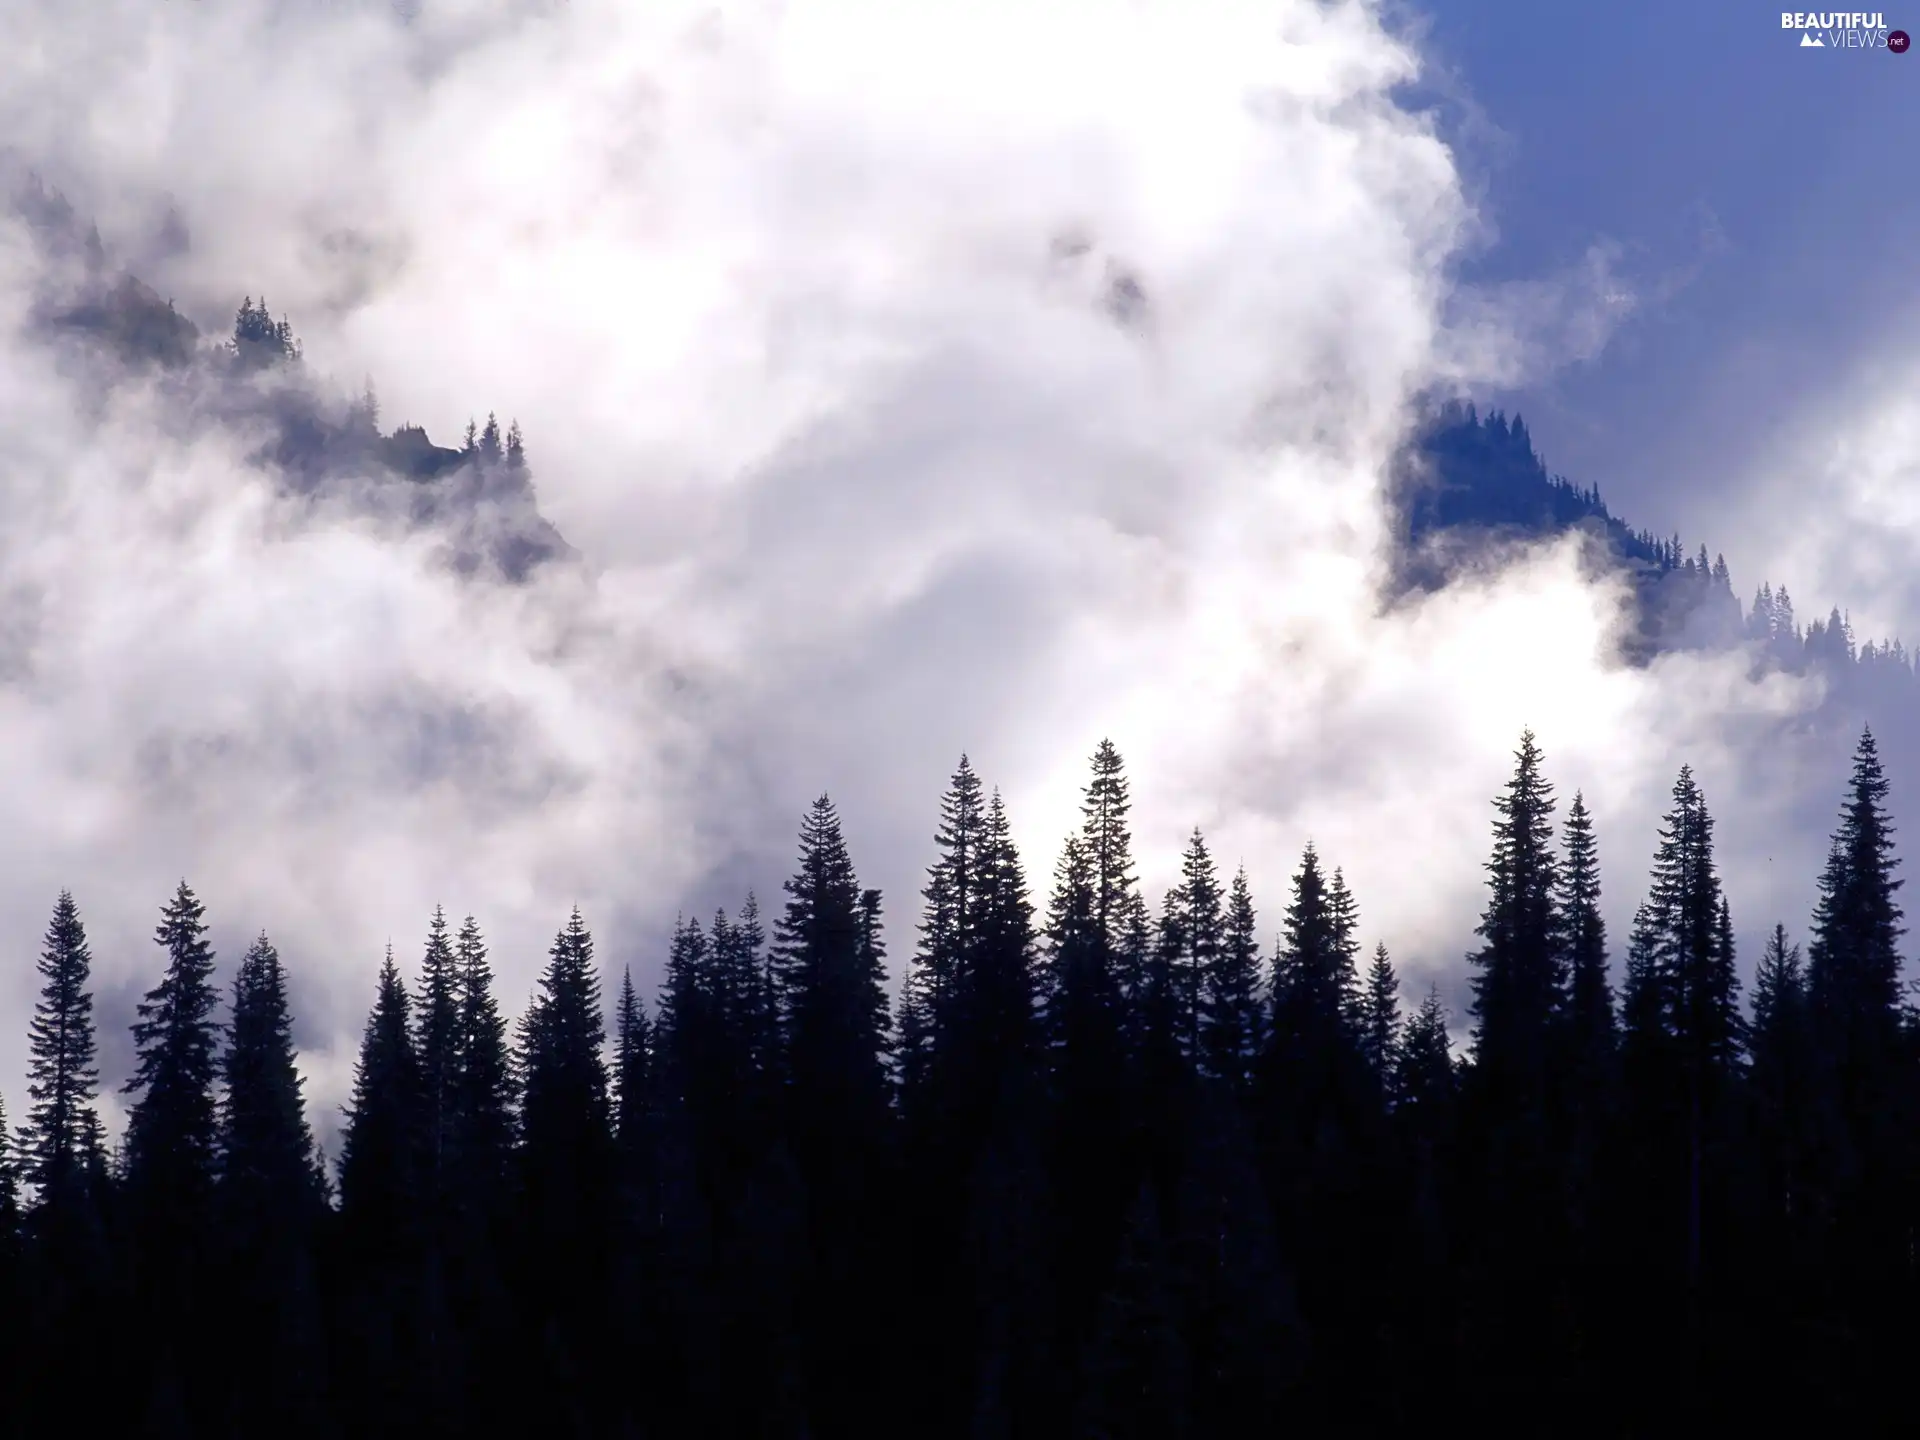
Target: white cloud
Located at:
point(913, 379)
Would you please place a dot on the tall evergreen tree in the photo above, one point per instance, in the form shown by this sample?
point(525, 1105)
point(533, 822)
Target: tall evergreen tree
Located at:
point(1519, 989)
point(436, 1041)
point(271, 1200)
point(1865, 1083)
point(565, 1117)
point(172, 1132)
point(1380, 1017)
point(1198, 903)
point(64, 1073)
point(484, 1089)
point(380, 1148)
point(267, 1172)
point(633, 1047)
point(833, 1008)
point(1231, 1014)
point(1590, 1010)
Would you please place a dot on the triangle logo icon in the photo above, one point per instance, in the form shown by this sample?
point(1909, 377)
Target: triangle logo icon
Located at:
point(1809, 42)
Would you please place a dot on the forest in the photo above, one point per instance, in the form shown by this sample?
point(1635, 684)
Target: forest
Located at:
point(1071, 1163)
point(1105, 1169)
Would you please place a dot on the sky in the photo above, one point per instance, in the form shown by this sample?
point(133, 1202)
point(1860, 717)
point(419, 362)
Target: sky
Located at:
point(917, 380)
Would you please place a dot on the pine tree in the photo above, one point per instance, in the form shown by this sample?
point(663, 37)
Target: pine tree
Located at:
point(833, 1009)
point(1692, 952)
point(516, 450)
point(1202, 938)
point(1590, 1013)
point(172, 1131)
point(833, 1003)
point(1107, 843)
point(633, 1041)
point(941, 990)
point(1519, 991)
point(380, 1150)
point(1380, 1017)
point(1424, 1072)
point(1345, 913)
point(271, 1200)
point(482, 1110)
point(436, 1041)
point(565, 1117)
point(470, 441)
point(1231, 1013)
point(490, 441)
point(64, 1073)
point(1781, 1077)
point(1312, 973)
point(267, 1173)
point(1853, 963)
point(1864, 1099)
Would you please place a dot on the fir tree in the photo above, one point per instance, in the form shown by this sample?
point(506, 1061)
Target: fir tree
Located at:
point(380, 1150)
point(483, 1095)
point(1590, 1013)
point(1853, 963)
point(1380, 1017)
point(266, 1148)
point(1423, 1071)
point(633, 1047)
point(516, 450)
point(1201, 939)
point(833, 1003)
point(564, 1114)
point(436, 1041)
point(1519, 991)
point(1231, 1012)
point(490, 441)
point(172, 1130)
point(1312, 973)
point(64, 1073)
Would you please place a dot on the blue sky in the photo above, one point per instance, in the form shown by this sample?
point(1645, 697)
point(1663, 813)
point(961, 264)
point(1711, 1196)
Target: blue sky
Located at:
point(1767, 206)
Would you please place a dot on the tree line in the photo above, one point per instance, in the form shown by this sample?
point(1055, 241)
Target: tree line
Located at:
point(1104, 1170)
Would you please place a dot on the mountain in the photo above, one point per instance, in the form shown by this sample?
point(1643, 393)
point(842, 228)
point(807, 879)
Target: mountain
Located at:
point(108, 327)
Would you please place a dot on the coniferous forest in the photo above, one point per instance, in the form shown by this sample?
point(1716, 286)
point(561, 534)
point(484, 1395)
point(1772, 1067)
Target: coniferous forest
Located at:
point(1107, 1168)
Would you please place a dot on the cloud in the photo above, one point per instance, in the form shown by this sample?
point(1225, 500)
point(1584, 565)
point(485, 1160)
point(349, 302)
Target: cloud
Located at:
point(912, 380)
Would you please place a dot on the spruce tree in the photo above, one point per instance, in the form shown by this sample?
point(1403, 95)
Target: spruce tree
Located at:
point(1853, 962)
point(1865, 1103)
point(484, 1091)
point(64, 1074)
point(1202, 938)
point(1345, 913)
point(1312, 972)
point(172, 1131)
point(436, 1041)
point(267, 1173)
point(833, 1009)
point(1520, 988)
point(1380, 1017)
point(380, 1149)
point(1590, 1012)
point(1780, 1078)
point(633, 1047)
point(833, 1003)
point(1231, 1018)
point(565, 1119)
point(271, 1200)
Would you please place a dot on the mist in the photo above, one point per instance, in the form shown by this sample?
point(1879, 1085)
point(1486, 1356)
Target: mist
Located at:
point(909, 383)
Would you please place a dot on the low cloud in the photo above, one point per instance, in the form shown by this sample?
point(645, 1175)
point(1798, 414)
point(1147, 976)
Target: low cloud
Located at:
point(940, 378)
